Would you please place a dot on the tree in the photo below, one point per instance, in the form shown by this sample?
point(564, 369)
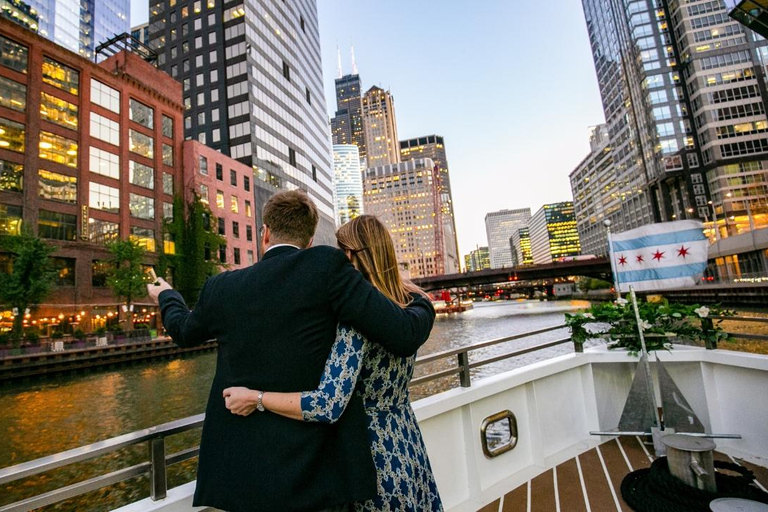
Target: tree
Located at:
point(30, 279)
point(196, 241)
point(126, 276)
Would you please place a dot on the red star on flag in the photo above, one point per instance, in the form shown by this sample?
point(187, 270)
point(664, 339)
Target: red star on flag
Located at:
point(658, 255)
point(622, 260)
point(639, 258)
point(683, 251)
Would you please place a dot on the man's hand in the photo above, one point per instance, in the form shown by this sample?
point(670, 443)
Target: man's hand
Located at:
point(156, 288)
point(240, 400)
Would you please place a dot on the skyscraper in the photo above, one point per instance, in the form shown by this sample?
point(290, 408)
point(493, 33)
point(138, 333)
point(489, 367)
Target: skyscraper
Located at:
point(477, 259)
point(252, 83)
point(81, 25)
point(348, 183)
point(20, 13)
point(553, 233)
point(520, 245)
point(380, 125)
point(499, 226)
point(347, 124)
point(432, 147)
point(403, 197)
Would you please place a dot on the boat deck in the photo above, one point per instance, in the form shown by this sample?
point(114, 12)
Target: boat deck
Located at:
point(592, 480)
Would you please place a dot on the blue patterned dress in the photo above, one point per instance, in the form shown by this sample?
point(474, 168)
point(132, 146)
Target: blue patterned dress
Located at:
point(403, 474)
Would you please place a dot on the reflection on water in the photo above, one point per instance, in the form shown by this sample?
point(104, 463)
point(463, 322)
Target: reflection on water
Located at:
point(45, 417)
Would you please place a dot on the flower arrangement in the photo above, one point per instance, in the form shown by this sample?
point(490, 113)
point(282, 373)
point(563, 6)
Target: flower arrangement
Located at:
point(661, 322)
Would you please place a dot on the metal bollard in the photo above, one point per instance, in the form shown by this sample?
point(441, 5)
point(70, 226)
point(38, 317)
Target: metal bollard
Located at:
point(691, 460)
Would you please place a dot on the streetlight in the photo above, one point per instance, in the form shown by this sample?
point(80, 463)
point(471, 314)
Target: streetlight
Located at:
point(714, 221)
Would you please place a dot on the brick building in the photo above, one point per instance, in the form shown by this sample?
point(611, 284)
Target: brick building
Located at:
point(88, 153)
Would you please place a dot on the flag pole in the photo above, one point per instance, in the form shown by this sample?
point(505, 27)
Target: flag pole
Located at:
point(607, 224)
point(644, 356)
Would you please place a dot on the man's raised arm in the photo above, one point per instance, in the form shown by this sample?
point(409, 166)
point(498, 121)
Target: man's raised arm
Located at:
point(186, 327)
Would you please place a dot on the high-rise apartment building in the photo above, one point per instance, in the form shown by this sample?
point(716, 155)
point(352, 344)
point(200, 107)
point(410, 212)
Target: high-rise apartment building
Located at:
point(81, 25)
point(553, 235)
point(520, 245)
point(402, 197)
point(252, 84)
point(684, 109)
point(380, 126)
point(89, 154)
point(478, 259)
point(595, 197)
point(347, 124)
point(499, 226)
point(348, 183)
point(433, 147)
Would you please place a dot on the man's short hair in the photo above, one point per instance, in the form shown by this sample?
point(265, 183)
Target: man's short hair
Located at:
point(291, 217)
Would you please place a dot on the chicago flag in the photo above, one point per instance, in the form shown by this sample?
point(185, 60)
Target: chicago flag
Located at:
point(659, 256)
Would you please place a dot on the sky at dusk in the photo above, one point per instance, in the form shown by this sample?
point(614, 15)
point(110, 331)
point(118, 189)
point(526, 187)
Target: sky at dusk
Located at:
point(510, 87)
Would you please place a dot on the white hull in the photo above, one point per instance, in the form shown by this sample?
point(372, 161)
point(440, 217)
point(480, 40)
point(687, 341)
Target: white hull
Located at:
point(557, 402)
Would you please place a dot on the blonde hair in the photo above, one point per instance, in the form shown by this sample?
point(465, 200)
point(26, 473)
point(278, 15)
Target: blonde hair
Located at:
point(372, 252)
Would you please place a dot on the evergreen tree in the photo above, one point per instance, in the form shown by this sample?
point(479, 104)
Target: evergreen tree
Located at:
point(126, 275)
point(30, 279)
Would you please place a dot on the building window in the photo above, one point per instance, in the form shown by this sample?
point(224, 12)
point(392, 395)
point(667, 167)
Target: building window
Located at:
point(167, 183)
point(56, 226)
point(104, 163)
point(11, 177)
point(61, 76)
point(286, 71)
point(105, 129)
point(99, 272)
point(223, 253)
point(232, 177)
point(220, 199)
point(204, 193)
point(168, 211)
point(13, 55)
point(167, 127)
point(169, 244)
point(236, 254)
point(58, 111)
point(142, 207)
point(249, 233)
point(11, 135)
point(13, 94)
point(222, 226)
point(203, 165)
point(102, 231)
point(248, 212)
point(58, 187)
point(234, 206)
point(144, 237)
point(216, 135)
point(168, 155)
point(65, 271)
point(250, 257)
point(314, 174)
point(235, 229)
point(141, 144)
point(292, 156)
point(142, 114)
point(247, 183)
point(141, 175)
point(103, 197)
point(301, 24)
point(219, 172)
point(10, 219)
point(58, 149)
point(308, 95)
point(105, 96)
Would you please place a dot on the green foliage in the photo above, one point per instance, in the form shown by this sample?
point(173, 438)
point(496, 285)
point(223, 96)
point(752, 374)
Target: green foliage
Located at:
point(660, 321)
point(79, 334)
point(31, 277)
point(100, 331)
point(586, 284)
point(193, 229)
point(126, 276)
point(57, 335)
point(32, 335)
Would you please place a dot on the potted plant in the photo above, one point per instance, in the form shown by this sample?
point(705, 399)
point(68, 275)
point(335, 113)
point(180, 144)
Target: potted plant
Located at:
point(101, 336)
point(661, 322)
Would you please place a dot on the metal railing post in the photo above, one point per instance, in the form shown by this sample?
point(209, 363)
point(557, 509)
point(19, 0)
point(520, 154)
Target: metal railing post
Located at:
point(158, 480)
point(464, 377)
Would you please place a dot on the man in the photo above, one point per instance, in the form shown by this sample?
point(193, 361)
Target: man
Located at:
point(275, 323)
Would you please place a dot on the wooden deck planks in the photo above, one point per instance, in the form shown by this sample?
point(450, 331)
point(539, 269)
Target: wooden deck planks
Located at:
point(543, 493)
point(491, 507)
point(598, 490)
point(617, 468)
point(634, 450)
point(517, 500)
point(569, 487)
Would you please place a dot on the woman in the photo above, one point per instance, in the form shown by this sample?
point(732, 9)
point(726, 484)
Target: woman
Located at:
point(404, 477)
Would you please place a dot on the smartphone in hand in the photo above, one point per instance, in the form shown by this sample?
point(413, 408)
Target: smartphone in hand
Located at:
point(152, 276)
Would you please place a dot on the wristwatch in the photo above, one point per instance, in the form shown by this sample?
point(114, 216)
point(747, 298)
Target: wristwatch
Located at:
point(259, 405)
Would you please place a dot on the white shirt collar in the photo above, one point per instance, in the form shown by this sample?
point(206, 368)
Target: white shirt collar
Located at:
point(281, 245)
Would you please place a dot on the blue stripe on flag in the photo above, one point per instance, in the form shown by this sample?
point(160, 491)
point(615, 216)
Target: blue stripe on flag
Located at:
point(675, 237)
point(688, 270)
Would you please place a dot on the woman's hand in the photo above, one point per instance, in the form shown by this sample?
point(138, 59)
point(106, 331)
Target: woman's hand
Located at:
point(240, 400)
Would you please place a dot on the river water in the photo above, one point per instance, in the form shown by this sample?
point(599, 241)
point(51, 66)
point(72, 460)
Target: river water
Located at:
point(49, 416)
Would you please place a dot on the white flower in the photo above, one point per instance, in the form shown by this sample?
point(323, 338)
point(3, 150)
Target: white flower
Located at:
point(589, 315)
point(645, 325)
point(703, 311)
point(621, 301)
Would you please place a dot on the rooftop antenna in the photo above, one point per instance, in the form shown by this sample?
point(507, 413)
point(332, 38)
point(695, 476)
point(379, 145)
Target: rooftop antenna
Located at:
point(338, 58)
point(354, 65)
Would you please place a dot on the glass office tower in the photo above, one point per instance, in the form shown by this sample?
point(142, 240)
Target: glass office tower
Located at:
point(348, 183)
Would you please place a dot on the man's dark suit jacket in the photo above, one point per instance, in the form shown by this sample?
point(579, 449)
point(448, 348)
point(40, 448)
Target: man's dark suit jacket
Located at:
point(275, 323)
